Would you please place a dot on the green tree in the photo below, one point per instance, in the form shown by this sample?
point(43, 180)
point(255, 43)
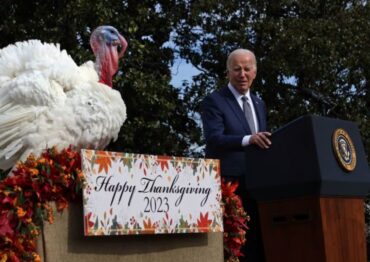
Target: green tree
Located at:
point(319, 45)
point(299, 44)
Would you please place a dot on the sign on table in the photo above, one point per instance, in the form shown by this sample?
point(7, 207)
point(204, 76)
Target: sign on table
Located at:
point(147, 194)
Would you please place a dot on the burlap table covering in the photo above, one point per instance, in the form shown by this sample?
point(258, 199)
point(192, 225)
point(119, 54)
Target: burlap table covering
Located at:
point(64, 241)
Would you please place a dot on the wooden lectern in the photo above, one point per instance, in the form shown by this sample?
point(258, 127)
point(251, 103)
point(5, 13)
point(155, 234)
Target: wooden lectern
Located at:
point(310, 187)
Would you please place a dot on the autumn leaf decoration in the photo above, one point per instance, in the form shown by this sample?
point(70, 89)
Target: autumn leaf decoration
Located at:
point(5, 227)
point(149, 227)
point(56, 177)
point(25, 198)
point(235, 222)
point(89, 224)
point(163, 162)
point(103, 160)
point(204, 222)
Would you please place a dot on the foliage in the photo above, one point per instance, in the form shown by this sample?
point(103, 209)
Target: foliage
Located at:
point(299, 44)
point(319, 45)
point(235, 222)
point(25, 198)
point(316, 45)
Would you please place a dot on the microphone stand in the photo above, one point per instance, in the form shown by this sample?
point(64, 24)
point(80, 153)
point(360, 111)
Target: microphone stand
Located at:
point(326, 103)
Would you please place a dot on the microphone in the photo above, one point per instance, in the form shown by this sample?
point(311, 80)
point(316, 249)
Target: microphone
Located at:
point(327, 104)
point(317, 96)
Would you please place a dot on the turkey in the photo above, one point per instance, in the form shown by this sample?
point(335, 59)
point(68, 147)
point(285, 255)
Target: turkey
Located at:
point(47, 100)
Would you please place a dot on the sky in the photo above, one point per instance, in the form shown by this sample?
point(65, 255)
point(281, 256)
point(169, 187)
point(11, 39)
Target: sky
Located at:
point(182, 71)
point(185, 71)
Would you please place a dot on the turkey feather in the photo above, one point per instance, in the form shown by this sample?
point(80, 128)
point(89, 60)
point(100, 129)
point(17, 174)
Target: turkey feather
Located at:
point(47, 100)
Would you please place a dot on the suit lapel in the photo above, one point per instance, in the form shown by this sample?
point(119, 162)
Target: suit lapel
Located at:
point(259, 112)
point(231, 101)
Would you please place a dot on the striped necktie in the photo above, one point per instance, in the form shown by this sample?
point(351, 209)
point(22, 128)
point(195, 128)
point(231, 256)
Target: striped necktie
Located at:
point(248, 114)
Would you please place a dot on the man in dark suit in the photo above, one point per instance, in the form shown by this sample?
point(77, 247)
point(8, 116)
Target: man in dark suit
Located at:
point(233, 118)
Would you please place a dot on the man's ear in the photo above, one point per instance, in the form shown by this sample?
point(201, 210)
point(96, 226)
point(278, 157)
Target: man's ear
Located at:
point(255, 74)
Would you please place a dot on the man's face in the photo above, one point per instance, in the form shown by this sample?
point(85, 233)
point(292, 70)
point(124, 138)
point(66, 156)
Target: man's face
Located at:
point(242, 71)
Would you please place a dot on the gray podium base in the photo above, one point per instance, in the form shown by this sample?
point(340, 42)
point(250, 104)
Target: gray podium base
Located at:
point(64, 241)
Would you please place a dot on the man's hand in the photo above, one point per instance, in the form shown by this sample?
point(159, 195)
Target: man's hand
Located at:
point(261, 139)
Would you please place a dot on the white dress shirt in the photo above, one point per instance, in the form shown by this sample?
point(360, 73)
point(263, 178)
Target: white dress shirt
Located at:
point(238, 98)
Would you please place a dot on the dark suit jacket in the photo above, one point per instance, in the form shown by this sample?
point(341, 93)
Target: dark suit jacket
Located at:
point(225, 126)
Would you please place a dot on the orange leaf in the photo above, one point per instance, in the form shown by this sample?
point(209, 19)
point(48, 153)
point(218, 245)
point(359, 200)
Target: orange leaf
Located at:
point(104, 161)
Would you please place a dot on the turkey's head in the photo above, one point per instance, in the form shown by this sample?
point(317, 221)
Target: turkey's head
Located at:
point(104, 42)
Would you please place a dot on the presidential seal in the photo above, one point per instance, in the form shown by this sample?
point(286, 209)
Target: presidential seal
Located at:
point(344, 149)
